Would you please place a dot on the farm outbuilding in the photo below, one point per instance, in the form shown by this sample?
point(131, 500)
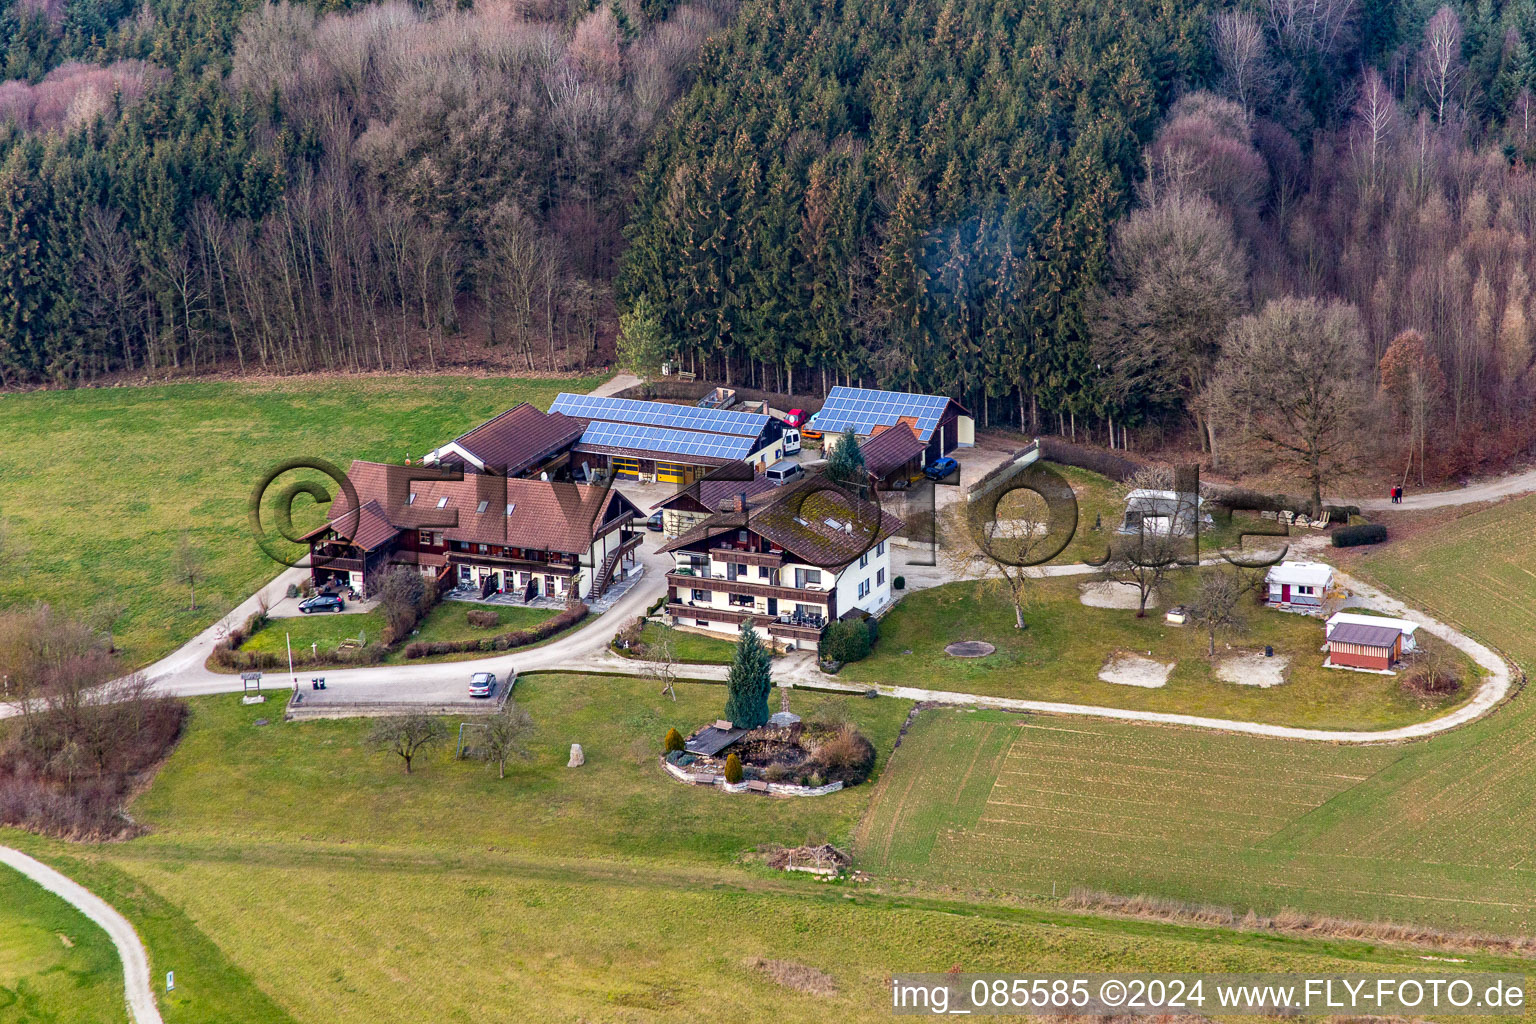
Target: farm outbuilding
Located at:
point(670, 444)
point(941, 424)
point(1404, 626)
point(1365, 644)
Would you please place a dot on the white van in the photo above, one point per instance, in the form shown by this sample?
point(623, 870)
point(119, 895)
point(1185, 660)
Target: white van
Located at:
point(791, 441)
point(785, 470)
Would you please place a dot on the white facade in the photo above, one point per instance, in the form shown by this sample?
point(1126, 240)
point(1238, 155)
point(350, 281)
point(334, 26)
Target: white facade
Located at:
point(864, 584)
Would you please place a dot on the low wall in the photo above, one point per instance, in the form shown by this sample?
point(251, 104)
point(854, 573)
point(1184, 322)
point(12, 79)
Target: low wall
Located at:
point(774, 788)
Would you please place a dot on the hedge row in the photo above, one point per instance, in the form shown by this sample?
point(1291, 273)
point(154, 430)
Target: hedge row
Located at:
point(228, 655)
point(1354, 536)
point(1065, 453)
point(504, 642)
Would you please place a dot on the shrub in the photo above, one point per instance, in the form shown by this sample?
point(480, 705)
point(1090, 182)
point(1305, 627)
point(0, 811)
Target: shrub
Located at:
point(846, 755)
point(506, 641)
point(674, 741)
point(845, 641)
point(778, 773)
point(900, 583)
point(293, 590)
point(733, 769)
point(1354, 536)
point(482, 618)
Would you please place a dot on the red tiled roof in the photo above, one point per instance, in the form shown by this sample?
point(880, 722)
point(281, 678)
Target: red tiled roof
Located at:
point(519, 438)
point(544, 515)
point(891, 448)
point(712, 493)
point(796, 518)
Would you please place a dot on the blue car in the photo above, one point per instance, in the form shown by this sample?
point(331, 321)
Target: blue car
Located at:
point(940, 468)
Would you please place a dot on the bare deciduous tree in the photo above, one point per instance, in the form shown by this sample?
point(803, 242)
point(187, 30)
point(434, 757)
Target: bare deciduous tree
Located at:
point(190, 565)
point(1143, 560)
point(1218, 597)
point(1293, 387)
point(406, 735)
point(506, 736)
point(998, 548)
point(1179, 280)
point(1377, 122)
point(1238, 40)
point(1440, 60)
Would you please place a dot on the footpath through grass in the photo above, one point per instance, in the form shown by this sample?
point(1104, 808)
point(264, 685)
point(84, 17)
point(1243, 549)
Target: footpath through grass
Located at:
point(299, 876)
point(55, 964)
point(1436, 832)
point(97, 486)
point(1059, 656)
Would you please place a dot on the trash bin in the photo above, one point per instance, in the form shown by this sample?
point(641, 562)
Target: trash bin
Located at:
point(1269, 652)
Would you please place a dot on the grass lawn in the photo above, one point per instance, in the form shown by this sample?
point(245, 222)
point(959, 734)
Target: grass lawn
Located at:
point(688, 648)
point(293, 868)
point(445, 622)
point(55, 964)
point(1436, 832)
point(97, 486)
point(1059, 656)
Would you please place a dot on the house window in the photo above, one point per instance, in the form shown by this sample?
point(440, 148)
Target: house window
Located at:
point(880, 548)
point(425, 537)
point(807, 577)
point(480, 508)
point(699, 595)
point(510, 507)
point(864, 588)
point(483, 548)
point(764, 573)
point(864, 560)
point(1302, 590)
point(442, 502)
point(880, 578)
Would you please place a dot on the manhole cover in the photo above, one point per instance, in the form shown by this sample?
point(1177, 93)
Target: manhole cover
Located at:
point(969, 649)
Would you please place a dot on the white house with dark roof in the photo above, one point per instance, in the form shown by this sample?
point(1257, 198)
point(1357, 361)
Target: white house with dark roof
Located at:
point(1298, 586)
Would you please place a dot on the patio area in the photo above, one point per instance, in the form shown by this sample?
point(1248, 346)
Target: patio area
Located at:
point(288, 608)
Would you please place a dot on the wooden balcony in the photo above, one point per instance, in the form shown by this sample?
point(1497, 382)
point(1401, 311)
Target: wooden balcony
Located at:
point(725, 553)
point(744, 585)
point(783, 630)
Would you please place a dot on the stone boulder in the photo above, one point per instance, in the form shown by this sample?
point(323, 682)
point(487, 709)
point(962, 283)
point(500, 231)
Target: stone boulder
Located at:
point(578, 757)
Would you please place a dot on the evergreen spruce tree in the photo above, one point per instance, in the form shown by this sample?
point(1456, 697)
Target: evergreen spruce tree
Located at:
point(845, 463)
point(749, 683)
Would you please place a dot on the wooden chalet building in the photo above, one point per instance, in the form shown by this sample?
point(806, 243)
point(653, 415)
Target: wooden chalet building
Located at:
point(793, 559)
point(894, 456)
point(530, 538)
point(698, 501)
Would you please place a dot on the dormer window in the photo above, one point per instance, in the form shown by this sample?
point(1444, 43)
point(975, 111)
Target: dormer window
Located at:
point(510, 507)
point(442, 502)
point(480, 509)
point(410, 499)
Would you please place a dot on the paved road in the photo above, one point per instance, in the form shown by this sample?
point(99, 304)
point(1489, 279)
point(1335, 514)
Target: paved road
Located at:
point(1487, 490)
point(141, 997)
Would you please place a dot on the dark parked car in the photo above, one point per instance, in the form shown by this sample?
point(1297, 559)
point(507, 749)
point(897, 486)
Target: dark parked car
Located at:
point(940, 468)
point(482, 684)
point(323, 603)
point(654, 523)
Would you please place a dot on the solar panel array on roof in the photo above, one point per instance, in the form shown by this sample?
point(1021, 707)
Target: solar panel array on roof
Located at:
point(862, 409)
point(640, 437)
point(659, 414)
